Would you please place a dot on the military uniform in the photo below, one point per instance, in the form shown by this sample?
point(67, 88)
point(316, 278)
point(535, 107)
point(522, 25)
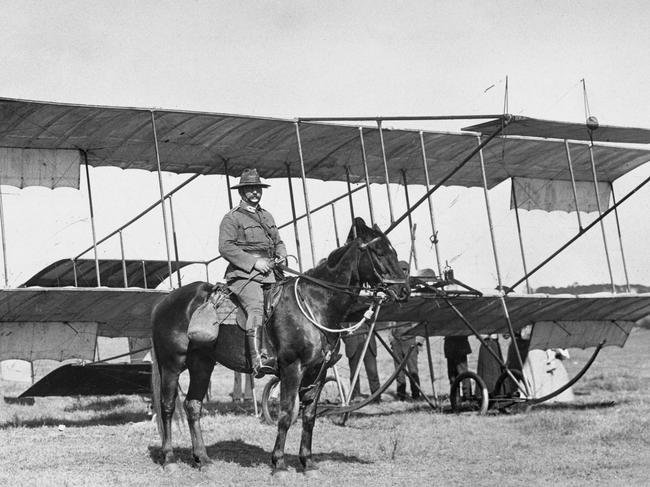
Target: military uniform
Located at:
point(242, 240)
point(248, 233)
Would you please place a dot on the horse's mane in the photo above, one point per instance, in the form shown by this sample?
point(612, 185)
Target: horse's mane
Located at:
point(331, 261)
point(362, 231)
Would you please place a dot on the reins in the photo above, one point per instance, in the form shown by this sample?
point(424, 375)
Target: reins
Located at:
point(371, 313)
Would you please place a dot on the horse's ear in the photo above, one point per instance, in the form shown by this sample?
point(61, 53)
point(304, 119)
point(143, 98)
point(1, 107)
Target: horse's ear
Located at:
point(376, 228)
point(358, 228)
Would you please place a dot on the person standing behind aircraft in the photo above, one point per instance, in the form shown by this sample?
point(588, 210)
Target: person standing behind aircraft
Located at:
point(249, 240)
point(401, 345)
point(456, 349)
point(353, 350)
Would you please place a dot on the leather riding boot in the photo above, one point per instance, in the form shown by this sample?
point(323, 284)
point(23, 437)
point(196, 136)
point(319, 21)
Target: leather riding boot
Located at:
point(260, 364)
point(401, 392)
point(415, 386)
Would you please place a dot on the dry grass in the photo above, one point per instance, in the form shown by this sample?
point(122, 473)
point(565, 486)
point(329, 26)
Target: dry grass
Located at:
point(603, 438)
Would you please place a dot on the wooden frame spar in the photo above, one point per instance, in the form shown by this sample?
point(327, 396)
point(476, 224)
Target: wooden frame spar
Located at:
point(158, 139)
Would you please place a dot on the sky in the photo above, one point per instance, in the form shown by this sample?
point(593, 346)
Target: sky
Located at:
point(335, 58)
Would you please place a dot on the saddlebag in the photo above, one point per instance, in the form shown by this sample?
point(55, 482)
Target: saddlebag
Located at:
point(216, 310)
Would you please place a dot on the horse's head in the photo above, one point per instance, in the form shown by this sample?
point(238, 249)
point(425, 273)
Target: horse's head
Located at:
point(378, 263)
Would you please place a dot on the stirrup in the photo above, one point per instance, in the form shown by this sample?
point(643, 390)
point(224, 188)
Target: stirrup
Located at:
point(264, 366)
point(261, 369)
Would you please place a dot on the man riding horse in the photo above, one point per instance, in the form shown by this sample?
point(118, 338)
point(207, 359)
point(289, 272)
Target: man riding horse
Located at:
point(249, 240)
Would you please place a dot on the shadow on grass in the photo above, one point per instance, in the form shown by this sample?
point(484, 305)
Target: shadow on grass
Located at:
point(243, 408)
point(375, 412)
point(98, 405)
point(583, 406)
point(105, 420)
point(247, 455)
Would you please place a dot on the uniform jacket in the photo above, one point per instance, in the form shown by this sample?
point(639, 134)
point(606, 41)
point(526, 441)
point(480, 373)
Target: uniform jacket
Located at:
point(243, 239)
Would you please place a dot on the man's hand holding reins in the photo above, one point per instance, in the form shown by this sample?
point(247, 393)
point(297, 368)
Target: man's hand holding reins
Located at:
point(263, 265)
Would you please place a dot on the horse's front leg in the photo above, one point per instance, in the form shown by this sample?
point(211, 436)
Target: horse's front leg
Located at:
point(200, 366)
point(291, 377)
point(308, 422)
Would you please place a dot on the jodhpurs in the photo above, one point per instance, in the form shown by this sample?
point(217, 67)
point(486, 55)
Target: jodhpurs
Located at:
point(251, 298)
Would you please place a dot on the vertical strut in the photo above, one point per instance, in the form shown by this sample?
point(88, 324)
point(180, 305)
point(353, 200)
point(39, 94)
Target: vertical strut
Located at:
point(620, 239)
point(336, 228)
point(175, 240)
point(573, 182)
point(600, 213)
point(411, 226)
point(228, 190)
point(367, 177)
point(162, 197)
point(383, 155)
point(304, 188)
point(434, 231)
point(489, 215)
point(4, 241)
point(293, 215)
point(92, 219)
point(126, 280)
point(347, 178)
point(521, 241)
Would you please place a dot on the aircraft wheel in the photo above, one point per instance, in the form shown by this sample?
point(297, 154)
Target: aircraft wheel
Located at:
point(476, 400)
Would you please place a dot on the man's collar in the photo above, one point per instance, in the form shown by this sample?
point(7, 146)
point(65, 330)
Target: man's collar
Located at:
point(251, 209)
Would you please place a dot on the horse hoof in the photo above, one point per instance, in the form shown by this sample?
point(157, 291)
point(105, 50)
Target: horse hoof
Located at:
point(205, 466)
point(170, 467)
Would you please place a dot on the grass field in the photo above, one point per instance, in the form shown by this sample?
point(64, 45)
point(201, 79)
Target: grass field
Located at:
point(603, 438)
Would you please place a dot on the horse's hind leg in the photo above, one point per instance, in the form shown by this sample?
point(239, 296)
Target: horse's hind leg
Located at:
point(200, 366)
point(169, 393)
point(290, 377)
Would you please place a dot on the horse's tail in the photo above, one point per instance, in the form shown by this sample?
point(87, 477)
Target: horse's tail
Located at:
point(156, 384)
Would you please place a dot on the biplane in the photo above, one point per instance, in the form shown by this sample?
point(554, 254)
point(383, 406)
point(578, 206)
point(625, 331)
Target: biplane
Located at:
point(550, 165)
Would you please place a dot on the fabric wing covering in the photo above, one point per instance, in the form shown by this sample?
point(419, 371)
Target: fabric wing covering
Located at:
point(114, 273)
point(117, 312)
point(550, 195)
point(565, 320)
point(198, 142)
point(40, 167)
point(54, 340)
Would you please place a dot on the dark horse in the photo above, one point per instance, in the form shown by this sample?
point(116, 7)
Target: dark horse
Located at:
point(304, 349)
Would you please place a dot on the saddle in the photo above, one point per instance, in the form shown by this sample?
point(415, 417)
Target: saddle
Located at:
point(222, 308)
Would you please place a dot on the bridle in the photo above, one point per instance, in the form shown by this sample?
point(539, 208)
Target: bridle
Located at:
point(379, 292)
point(383, 281)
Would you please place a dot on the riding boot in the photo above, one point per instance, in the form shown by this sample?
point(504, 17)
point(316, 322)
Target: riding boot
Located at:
point(261, 364)
point(415, 386)
point(401, 392)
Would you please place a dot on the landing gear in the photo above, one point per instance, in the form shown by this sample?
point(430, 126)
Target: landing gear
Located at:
point(469, 394)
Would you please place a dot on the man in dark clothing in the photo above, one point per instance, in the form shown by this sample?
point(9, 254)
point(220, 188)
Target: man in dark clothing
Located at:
point(249, 240)
point(456, 350)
